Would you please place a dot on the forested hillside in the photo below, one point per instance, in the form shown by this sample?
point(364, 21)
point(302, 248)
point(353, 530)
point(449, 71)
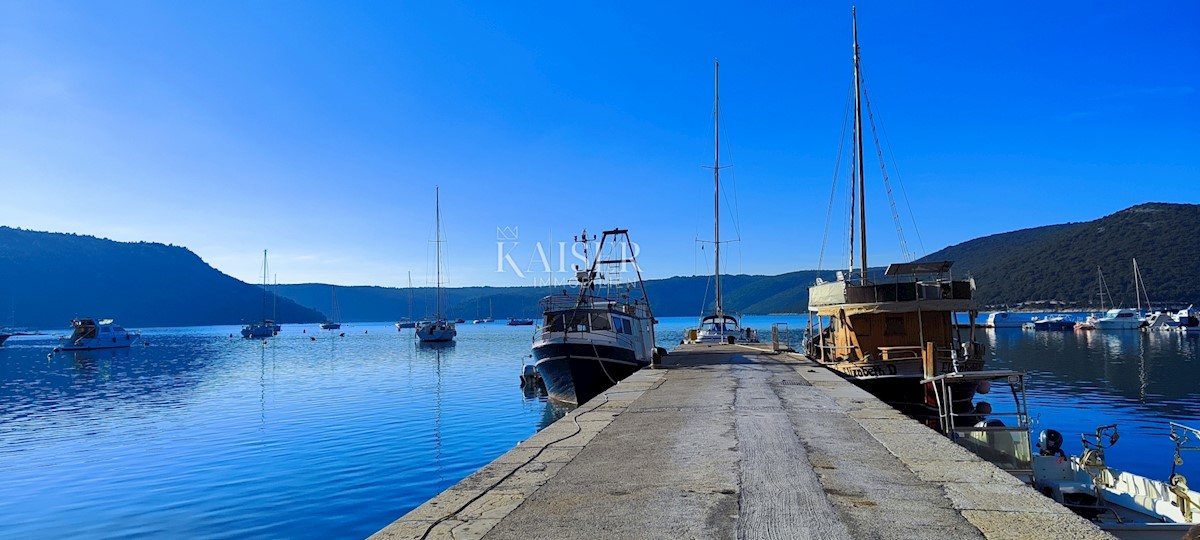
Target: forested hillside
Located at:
point(46, 279)
point(1060, 262)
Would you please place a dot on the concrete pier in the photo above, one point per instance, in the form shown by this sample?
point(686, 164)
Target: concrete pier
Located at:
point(731, 441)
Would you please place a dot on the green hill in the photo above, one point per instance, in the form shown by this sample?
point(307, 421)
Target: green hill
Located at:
point(1059, 262)
point(48, 278)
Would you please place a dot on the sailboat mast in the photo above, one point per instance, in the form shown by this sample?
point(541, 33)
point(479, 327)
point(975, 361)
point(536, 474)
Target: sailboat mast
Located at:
point(437, 233)
point(264, 286)
point(862, 198)
point(717, 179)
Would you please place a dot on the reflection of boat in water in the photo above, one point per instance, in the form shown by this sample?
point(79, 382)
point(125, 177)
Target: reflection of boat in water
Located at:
point(592, 340)
point(1122, 503)
point(718, 326)
point(90, 334)
point(888, 333)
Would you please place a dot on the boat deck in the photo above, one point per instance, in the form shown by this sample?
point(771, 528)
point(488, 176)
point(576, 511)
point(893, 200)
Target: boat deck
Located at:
point(730, 441)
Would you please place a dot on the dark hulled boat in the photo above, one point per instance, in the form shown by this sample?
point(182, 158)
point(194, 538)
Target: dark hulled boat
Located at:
point(591, 340)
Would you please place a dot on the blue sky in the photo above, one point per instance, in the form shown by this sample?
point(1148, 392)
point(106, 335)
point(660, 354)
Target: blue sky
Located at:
point(318, 130)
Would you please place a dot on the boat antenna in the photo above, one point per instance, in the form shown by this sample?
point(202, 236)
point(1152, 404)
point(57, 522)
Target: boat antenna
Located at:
point(862, 198)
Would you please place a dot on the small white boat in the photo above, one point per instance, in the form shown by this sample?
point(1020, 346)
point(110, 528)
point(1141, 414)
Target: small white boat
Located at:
point(267, 327)
point(1119, 319)
point(1120, 502)
point(1124, 504)
point(1006, 319)
point(88, 334)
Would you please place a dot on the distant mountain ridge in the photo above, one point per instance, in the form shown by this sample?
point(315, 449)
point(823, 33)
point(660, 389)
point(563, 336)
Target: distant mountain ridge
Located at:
point(48, 278)
point(1059, 262)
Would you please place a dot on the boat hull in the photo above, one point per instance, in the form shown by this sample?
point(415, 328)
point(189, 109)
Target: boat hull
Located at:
point(331, 326)
point(96, 344)
point(258, 331)
point(577, 372)
point(438, 332)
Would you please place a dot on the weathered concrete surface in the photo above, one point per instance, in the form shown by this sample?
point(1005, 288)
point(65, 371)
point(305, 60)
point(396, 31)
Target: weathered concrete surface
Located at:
point(732, 442)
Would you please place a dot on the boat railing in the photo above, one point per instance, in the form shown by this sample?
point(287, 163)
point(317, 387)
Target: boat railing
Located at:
point(983, 430)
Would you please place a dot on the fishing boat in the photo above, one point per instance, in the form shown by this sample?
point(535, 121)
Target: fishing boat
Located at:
point(887, 333)
point(439, 330)
point(267, 327)
point(718, 326)
point(334, 323)
point(591, 340)
point(1122, 503)
point(88, 334)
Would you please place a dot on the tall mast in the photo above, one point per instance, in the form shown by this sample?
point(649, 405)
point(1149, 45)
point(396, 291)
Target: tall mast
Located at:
point(717, 178)
point(437, 234)
point(862, 198)
point(264, 286)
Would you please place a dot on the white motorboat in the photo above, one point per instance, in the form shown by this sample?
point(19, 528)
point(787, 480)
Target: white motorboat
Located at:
point(88, 334)
point(1119, 319)
point(1008, 319)
point(1124, 504)
point(591, 340)
point(439, 330)
point(718, 326)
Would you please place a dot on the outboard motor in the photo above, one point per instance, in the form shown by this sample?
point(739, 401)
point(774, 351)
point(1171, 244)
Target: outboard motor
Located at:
point(1050, 443)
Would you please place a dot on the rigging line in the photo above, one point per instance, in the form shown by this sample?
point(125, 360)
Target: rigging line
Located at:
point(903, 191)
point(837, 165)
point(886, 183)
point(737, 219)
point(707, 283)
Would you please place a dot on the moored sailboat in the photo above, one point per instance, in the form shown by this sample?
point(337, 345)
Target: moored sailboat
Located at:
point(266, 327)
point(888, 333)
point(719, 326)
point(439, 330)
point(335, 321)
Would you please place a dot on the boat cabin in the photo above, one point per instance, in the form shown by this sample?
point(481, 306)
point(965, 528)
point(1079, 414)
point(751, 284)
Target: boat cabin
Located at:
point(892, 320)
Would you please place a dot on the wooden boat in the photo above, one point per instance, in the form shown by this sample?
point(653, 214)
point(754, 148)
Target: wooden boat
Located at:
point(887, 333)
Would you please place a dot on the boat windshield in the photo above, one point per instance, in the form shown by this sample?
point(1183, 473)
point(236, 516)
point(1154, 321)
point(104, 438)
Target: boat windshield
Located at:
point(719, 324)
point(577, 321)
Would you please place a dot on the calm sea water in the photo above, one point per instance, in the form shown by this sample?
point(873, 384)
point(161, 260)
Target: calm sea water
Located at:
point(206, 435)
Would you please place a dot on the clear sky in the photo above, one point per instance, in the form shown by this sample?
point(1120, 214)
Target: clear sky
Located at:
point(318, 130)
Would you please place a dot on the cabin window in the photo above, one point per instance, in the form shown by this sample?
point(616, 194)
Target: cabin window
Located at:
point(862, 327)
point(600, 322)
point(628, 327)
point(893, 326)
point(579, 323)
point(554, 322)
